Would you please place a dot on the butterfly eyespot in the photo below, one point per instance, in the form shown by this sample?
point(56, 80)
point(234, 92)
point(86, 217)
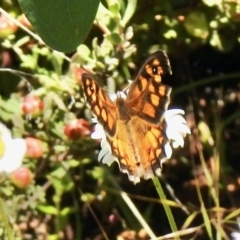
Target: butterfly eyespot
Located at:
point(155, 70)
point(91, 88)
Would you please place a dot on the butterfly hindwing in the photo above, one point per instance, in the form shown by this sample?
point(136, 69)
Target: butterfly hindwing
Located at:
point(141, 153)
point(147, 96)
point(101, 105)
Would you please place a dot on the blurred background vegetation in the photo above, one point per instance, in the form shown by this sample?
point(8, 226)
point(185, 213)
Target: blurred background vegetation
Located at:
point(70, 194)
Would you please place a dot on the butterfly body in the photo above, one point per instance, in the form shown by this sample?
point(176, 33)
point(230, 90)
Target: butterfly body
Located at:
point(134, 122)
point(124, 113)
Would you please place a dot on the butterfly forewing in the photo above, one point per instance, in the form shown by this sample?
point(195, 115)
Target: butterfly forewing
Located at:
point(147, 96)
point(101, 105)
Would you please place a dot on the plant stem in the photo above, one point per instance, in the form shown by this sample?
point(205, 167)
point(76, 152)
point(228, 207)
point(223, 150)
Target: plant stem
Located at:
point(167, 209)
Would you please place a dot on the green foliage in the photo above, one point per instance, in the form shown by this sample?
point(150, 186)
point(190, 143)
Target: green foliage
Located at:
point(72, 195)
point(62, 25)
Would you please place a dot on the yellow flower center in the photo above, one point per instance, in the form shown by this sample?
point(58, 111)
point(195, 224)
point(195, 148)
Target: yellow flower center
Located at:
point(2, 147)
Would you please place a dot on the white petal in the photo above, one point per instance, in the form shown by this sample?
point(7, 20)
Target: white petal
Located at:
point(13, 156)
point(183, 128)
point(176, 137)
point(133, 179)
point(176, 119)
point(94, 120)
point(5, 134)
point(175, 144)
point(172, 112)
point(106, 157)
point(102, 153)
point(168, 150)
point(113, 96)
point(158, 172)
point(122, 94)
point(105, 144)
point(176, 127)
point(109, 160)
point(235, 235)
point(98, 133)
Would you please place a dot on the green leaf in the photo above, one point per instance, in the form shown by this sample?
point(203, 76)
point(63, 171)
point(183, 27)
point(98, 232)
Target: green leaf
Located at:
point(114, 38)
point(97, 172)
point(207, 222)
point(53, 237)
point(211, 3)
point(82, 54)
point(223, 40)
point(233, 214)
point(63, 24)
point(12, 105)
point(114, 7)
point(59, 173)
point(189, 220)
point(48, 209)
point(205, 134)
point(87, 197)
point(73, 163)
point(196, 24)
point(5, 220)
point(5, 116)
point(130, 10)
point(67, 210)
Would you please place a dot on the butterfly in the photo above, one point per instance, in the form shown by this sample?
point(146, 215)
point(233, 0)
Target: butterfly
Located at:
point(134, 125)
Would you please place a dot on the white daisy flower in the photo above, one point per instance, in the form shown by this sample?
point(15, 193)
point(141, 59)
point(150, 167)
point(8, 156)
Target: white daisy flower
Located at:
point(176, 131)
point(235, 235)
point(177, 127)
point(12, 151)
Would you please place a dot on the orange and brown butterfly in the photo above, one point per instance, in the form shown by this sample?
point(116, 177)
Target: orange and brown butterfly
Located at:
point(135, 125)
